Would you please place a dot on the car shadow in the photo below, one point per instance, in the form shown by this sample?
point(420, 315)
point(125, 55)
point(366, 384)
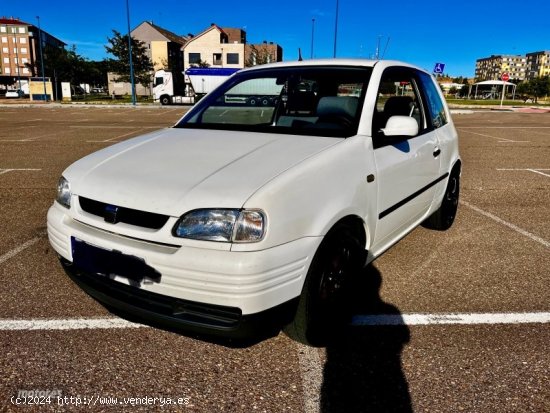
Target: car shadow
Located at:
point(363, 371)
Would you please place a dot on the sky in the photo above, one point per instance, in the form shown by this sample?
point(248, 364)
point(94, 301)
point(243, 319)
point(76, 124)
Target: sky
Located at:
point(418, 32)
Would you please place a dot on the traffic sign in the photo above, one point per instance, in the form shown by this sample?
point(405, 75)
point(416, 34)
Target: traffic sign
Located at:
point(439, 67)
point(505, 77)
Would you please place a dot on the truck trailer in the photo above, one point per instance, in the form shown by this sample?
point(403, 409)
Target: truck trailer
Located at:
point(189, 88)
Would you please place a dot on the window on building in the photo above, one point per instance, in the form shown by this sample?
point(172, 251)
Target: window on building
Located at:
point(23, 40)
point(217, 59)
point(232, 58)
point(194, 58)
point(26, 71)
point(3, 29)
point(4, 39)
point(24, 50)
point(7, 70)
point(21, 30)
point(5, 50)
point(6, 59)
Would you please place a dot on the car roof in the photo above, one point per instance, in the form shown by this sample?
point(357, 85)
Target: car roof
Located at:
point(335, 62)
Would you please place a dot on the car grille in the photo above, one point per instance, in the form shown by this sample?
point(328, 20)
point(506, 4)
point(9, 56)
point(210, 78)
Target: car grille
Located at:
point(126, 215)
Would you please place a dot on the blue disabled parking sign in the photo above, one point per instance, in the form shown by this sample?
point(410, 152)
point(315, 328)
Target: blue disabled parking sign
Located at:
point(439, 67)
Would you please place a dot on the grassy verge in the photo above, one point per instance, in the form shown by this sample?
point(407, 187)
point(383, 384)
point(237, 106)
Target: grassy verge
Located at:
point(483, 102)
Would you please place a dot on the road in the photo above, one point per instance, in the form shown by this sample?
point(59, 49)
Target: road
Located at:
point(445, 321)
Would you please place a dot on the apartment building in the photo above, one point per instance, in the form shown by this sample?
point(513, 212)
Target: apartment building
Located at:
point(228, 47)
point(538, 64)
point(19, 48)
point(216, 47)
point(492, 68)
point(163, 46)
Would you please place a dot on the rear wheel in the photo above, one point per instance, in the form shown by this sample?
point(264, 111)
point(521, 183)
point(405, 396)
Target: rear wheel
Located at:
point(322, 306)
point(443, 218)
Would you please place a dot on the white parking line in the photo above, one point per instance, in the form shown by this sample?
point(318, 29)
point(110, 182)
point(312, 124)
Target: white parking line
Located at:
point(5, 171)
point(312, 377)
point(500, 140)
point(508, 224)
point(115, 139)
point(450, 319)
point(67, 324)
point(20, 248)
point(534, 170)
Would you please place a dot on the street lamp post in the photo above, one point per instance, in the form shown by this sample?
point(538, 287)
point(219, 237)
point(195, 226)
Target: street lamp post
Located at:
point(336, 28)
point(130, 53)
point(41, 57)
point(312, 34)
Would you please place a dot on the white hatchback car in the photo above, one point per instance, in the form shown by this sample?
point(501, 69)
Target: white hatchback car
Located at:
point(246, 212)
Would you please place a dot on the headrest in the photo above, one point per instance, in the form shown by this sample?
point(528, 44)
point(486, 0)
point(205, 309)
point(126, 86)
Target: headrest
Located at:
point(338, 105)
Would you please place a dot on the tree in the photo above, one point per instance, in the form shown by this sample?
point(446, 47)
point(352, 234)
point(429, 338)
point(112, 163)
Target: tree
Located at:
point(118, 47)
point(258, 56)
point(535, 88)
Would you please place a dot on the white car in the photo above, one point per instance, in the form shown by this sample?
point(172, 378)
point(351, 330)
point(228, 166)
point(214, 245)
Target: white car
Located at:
point(15, 94)
point(243, 213)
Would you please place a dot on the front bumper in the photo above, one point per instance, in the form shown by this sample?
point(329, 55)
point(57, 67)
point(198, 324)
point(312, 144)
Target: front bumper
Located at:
point(241, 283)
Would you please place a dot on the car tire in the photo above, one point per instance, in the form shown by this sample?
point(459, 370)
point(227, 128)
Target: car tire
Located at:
point(165, 100)
point(322, 306)
point(443, 218)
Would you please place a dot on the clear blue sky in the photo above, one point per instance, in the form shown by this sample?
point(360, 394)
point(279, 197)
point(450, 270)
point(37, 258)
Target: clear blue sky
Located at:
point(419, 32)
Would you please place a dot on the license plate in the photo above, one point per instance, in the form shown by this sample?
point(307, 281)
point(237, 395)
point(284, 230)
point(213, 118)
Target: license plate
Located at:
point(100, 261)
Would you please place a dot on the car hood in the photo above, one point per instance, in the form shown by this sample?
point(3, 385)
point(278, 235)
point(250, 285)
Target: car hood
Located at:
point(176, 170)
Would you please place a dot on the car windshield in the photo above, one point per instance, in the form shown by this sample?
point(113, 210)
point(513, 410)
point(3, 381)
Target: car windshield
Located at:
point(312, 100)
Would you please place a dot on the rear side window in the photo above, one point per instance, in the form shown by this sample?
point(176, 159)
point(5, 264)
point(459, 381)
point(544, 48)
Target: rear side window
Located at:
point(435, 105)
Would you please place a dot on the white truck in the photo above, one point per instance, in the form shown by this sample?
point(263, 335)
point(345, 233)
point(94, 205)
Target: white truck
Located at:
point(197, 82)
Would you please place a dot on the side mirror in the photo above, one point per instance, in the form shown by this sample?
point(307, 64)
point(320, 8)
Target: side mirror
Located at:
point(401, 126)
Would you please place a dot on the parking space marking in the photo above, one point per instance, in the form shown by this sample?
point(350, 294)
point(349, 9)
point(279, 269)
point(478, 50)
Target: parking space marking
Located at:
point(5, 171)
point(450, 319)
point(115, 139)
point(312, 376)
point(500, 140)
point(20, 248)
point(534, 170)
point(508, 224)
point(67, 324)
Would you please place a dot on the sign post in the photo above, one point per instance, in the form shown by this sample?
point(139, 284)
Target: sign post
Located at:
point(505, 77)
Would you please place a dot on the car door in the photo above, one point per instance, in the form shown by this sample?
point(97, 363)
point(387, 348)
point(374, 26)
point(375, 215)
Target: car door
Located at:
point(407, 166)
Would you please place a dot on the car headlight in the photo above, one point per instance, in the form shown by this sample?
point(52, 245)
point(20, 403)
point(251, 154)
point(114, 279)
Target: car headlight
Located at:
point(223, 225)
point(63, 192)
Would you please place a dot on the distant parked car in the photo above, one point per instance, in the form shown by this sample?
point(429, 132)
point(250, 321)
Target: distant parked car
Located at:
point(15, 94)
point(97, 90)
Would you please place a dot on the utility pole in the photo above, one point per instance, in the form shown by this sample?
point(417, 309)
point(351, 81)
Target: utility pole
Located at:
point(312, 34)
point(336, 28)
point(41, 57)
point(132, 81)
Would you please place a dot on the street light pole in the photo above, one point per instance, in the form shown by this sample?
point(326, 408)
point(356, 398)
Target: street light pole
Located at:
point(312, 34)
point(41, 57)
point(336, 28)
point(130, 53)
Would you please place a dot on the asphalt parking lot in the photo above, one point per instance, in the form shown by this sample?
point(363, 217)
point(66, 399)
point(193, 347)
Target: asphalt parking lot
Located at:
point(446, 322)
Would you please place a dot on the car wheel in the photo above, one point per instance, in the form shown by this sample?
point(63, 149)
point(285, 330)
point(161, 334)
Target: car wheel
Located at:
point(165, 100)
point(322, 306)
point(443, 218)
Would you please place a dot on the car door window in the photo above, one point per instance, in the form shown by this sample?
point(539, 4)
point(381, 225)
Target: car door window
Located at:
point(436, 109)
point(398, 95)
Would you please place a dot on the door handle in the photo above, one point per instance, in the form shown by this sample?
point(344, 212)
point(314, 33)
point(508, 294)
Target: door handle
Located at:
point(437, 152)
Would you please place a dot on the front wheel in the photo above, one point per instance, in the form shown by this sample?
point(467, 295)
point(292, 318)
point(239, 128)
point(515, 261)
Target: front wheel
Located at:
point(443, 218)
point(322, 306)
point(165, 100)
